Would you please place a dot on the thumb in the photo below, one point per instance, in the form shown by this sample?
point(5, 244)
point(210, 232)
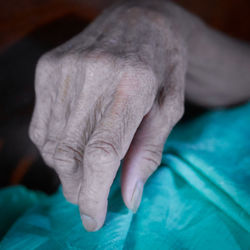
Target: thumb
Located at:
point(145, 152)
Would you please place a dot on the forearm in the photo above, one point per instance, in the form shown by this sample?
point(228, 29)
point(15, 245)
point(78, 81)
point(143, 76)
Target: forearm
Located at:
point(219, 69)
point(218, 72)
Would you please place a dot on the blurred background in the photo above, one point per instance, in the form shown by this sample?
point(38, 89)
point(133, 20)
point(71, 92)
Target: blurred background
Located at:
point(28, 28)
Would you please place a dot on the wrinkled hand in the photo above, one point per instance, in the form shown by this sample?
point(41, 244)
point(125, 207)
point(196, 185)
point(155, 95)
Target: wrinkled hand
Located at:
point(114, 91)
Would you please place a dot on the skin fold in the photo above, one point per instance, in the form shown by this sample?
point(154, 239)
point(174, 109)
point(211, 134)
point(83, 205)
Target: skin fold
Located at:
point(116, 90)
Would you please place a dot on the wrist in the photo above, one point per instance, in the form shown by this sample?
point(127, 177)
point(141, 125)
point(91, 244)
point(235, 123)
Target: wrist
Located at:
point(169, 14)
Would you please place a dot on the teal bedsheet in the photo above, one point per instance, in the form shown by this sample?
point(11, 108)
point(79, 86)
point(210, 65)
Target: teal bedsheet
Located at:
point(198, 199)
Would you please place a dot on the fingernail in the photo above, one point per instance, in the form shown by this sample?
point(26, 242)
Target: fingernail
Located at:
point(136, 196)
point(89, 223)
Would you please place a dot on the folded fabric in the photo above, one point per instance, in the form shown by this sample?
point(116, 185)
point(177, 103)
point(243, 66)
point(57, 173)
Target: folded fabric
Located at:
point(216, 149)
point(198, 199)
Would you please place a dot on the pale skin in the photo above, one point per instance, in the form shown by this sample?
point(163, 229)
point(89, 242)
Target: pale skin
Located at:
point(116, 90)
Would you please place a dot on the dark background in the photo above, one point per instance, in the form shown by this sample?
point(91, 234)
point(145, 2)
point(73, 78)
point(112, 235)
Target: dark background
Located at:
point(28, 28)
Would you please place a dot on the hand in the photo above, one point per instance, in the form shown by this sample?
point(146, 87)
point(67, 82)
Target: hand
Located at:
point(114, 91)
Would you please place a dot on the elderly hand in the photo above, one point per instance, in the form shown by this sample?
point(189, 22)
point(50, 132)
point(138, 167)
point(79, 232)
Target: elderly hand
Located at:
point(114, 91)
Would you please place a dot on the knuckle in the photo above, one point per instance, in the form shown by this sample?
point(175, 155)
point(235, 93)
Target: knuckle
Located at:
point(45, 63)
point(48, 158)
point(47, 152)
point(141, 77)
point(45, 69)
point(101, 151)
point(68, 58)
point(177, 108)
point(152, 155)
point(146, 72)
point(35, 135)
point(99, 64)
point(133, 64)
point(139, 84)
point(177, 111)
point(172, 105)
point(153, 152)
point(150, 166)
point(99, 58)
point(67, 158)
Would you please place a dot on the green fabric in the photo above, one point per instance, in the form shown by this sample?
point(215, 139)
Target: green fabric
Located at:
point(198, 199)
